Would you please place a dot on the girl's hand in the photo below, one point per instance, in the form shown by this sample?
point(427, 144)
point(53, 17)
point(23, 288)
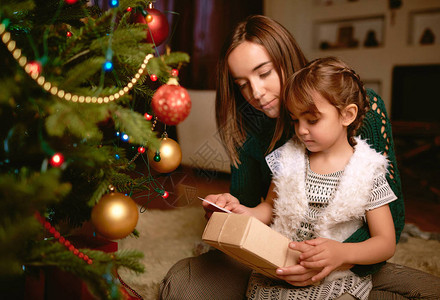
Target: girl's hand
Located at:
point(226, 201)
point(298, 275)
point(325, 255)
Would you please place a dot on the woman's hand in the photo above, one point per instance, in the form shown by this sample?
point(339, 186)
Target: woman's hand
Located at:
point(226, 201)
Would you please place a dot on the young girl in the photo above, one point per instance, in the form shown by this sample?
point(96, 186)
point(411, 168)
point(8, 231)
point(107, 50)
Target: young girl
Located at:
point(326, 183)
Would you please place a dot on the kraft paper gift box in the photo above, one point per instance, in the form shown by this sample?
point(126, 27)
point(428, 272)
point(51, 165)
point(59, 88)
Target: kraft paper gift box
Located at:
point(249, 241)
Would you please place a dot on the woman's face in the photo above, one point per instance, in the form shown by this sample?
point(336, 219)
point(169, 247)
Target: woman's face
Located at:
point(254, 73)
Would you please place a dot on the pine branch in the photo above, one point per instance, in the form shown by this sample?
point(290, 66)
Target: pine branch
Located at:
point(99, 192)
point(54, 254)
point(11, 7)
point(77, 119)
point(135, 125)
point(82, 72)
point(175, 58)
point(27, 192)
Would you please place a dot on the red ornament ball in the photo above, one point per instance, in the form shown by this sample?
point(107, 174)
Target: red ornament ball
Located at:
point(141, 150)
point(69, 33)
point(153, 77)
point(158, 27)
point(165, 195)
point(171, 104)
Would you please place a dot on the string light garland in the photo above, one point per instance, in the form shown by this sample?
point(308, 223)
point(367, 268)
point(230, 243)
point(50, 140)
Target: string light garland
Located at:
point(148, 117)
point(57, 160)
point(30, 68)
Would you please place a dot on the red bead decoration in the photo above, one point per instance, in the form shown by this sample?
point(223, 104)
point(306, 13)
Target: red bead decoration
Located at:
point(57, 160)
point(129, 9)
point(61, 239)
point(148, 117)
point(70, 1)
point(165, 194)
point(153, 77)
point(69, 34)
point(141, 149)
point(174, 72)
point(171, 104)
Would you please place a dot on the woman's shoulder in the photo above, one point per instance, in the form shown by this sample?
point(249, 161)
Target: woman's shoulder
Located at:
point(375, 100)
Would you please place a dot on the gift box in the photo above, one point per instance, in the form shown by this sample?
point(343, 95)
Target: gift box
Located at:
point(250, 241)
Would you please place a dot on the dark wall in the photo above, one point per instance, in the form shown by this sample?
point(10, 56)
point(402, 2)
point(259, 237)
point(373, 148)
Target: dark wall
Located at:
point(199, 28)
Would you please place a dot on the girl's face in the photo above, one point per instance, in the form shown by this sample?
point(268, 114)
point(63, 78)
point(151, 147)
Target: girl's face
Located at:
point(254, 73)
point(320, 131)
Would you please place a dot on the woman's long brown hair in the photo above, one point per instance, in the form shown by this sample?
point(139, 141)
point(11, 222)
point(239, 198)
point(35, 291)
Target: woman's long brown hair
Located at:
point(286, 57)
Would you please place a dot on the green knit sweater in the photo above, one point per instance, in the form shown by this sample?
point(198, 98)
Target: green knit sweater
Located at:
point(250, 181)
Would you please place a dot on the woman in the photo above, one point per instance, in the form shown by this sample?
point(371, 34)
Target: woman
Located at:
point(254, 63)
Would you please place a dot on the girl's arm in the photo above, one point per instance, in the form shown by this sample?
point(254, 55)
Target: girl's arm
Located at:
point(330, 254)
point(262, 211)
point(381, 246)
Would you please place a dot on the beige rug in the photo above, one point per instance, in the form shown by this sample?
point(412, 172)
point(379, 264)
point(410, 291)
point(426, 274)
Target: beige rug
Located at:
point(168, 236)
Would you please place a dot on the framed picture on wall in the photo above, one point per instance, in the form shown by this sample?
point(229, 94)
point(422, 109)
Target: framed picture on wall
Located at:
point(375, 85)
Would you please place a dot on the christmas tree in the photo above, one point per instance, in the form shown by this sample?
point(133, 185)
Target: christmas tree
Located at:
point(76, 86)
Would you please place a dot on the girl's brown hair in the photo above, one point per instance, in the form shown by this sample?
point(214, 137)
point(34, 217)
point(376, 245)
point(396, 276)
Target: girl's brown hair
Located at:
point(286, 57)
point(335, 81)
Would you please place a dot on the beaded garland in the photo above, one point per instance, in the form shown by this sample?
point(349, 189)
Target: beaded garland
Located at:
point(53, 89)
point(61, 239)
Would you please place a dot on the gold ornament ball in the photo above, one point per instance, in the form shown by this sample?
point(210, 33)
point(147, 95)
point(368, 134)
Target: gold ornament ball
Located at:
point(170, 156)
point(115, 216)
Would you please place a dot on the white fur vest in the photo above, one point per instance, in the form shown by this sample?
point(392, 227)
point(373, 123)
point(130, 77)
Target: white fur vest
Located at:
point(346, 210)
